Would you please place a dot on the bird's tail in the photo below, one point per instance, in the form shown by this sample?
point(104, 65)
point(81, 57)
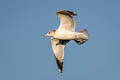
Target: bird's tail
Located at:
point(81, 41)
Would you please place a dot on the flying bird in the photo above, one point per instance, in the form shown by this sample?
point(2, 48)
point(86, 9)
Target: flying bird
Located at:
point(65, 33)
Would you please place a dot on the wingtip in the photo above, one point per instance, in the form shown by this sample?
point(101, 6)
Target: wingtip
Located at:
point(60, 70)
point(66, 12)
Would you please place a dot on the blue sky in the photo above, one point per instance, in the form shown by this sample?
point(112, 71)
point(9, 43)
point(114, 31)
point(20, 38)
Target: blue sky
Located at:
point(26, 55)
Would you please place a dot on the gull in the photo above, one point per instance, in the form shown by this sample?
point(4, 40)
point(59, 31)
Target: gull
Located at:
point(65, 33)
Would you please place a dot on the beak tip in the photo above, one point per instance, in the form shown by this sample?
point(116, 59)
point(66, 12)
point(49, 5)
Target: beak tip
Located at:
point(44, 35)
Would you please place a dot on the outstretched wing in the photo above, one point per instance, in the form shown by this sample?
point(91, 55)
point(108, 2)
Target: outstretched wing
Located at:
point(66, 20)
point(58, 50)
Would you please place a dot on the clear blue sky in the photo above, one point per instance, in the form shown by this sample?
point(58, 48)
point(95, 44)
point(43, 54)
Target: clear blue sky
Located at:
point(26, 55)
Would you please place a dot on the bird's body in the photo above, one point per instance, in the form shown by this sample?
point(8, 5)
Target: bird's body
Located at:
point(65, 33)
point(69, 35)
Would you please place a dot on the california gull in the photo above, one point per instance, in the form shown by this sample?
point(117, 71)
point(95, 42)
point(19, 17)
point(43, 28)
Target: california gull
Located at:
point(65, 33)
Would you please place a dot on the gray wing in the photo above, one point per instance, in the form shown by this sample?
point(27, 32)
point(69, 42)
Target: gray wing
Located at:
point(66, 20)
point(58, 50)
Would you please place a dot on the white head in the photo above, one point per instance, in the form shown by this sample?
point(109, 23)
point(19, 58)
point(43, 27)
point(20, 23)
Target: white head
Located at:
point(50, 33)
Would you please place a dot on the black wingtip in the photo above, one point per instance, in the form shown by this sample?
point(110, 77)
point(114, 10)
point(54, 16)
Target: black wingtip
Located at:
point(60, 70)
point(66, 12)
point(60, 65)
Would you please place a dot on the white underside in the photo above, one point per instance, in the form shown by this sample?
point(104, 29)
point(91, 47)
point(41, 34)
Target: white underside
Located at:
point(69, 35)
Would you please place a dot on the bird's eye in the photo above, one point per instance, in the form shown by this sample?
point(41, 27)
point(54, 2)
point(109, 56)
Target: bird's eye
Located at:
point(48, 32)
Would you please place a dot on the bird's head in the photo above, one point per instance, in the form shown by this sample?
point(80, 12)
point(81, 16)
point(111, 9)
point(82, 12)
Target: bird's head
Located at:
point(50, 33)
